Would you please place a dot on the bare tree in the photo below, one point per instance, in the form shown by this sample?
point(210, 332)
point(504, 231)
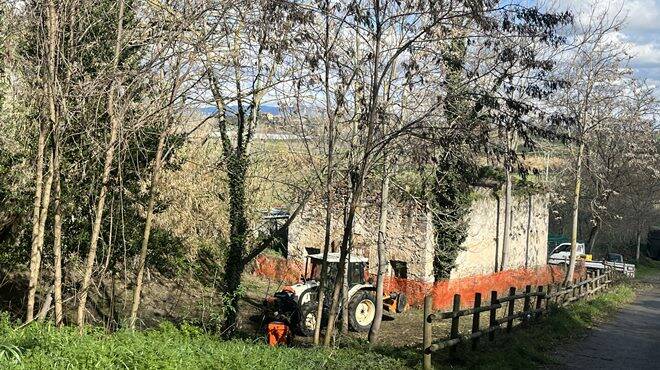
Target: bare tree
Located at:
point(595, 69)
point(243, 63)
point(43, 190)
point(115, 123)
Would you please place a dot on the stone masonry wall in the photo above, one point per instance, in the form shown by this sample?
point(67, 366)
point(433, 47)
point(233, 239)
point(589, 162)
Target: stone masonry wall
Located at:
point(410, 236)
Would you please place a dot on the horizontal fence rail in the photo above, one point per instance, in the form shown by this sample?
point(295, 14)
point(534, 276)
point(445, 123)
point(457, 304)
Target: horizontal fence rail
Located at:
point(535, 304)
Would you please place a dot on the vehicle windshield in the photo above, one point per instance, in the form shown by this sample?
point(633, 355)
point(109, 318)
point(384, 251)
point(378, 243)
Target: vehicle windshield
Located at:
point(562, 248)
point(356, 271)
point(614, 257)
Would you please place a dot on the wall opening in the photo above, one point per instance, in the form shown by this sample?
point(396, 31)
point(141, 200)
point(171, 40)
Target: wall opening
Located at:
point(399, 269)
point(273, 222)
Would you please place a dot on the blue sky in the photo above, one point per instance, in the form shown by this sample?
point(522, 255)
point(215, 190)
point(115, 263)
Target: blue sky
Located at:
point(640, 34)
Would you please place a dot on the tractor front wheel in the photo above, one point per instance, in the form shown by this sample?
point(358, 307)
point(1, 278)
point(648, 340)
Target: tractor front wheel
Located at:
point(361, 311)
point(307, 319)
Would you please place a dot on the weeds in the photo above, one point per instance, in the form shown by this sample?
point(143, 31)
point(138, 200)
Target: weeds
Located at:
point(41, 346)
point(10, 354)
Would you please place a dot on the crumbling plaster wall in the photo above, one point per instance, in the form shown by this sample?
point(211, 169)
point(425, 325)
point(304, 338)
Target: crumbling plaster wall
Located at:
point(483, 245)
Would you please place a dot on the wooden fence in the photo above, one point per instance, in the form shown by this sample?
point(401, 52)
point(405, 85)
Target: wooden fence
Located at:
point(536, 302)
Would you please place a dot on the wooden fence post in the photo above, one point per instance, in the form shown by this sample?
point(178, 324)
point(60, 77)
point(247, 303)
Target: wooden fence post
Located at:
point(548, 297)
point(512, 303)
point(475, 319)
point(581, 285)
point(527, 305)
point(573, 288)
point(539, 302)
point(428, 332)
point(454, 322)
point(493, 315)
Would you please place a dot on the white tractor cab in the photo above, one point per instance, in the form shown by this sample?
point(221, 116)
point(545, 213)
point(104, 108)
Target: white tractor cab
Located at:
point(297, 304)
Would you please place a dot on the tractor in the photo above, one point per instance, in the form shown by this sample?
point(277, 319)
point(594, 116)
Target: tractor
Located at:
point(296, 305)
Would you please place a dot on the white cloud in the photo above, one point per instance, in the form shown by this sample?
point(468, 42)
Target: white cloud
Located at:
point(639, 35)
point(642, 15)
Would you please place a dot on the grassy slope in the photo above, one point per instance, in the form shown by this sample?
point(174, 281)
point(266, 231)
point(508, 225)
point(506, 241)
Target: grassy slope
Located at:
point(647, 267)
point(44, 347)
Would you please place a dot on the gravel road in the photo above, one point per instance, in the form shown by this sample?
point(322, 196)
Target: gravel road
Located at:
point(630, 341)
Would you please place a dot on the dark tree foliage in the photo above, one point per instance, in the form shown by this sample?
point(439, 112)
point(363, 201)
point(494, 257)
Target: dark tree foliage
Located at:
point(87, 47)
point(15, 199)
point(451, 201)
point(519, 75)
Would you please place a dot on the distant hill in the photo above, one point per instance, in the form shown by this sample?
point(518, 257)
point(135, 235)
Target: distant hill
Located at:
point(207, 111)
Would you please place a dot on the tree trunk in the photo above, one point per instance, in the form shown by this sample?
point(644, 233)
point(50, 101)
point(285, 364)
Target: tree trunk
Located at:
point(35, 255)
point(322, 281)
point(382, 255)
point(41, 230)
point(328, 184)
point(344, 248)
point(529, 227)
point(639, 243)
point(336, 292)
point(147, 227)
point(506, 234)
point(57, 238)
point(37, 229)
point(593, 235)
point(238, 233)
point(497, 233)
point(358, 176)
point(576, 205)
point(344, 295)
point(45, 307)
point(107, 166)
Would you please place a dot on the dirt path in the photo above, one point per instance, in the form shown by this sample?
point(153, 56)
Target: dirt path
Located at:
point(630, 341)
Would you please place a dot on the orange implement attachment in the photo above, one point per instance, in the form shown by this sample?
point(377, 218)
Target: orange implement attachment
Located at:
point(278, 333)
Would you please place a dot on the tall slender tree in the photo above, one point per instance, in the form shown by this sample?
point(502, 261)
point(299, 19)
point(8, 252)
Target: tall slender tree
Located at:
point(115, 126)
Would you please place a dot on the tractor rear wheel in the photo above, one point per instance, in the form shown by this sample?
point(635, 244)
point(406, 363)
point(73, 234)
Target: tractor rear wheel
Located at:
point(361, 310)
point(307, 318)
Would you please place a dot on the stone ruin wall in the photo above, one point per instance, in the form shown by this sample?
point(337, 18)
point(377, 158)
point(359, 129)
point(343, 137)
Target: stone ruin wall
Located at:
point(410, 235)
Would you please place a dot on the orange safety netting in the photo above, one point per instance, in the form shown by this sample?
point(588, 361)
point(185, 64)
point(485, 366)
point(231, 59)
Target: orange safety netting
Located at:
point(442, 291)
point(278, 269)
